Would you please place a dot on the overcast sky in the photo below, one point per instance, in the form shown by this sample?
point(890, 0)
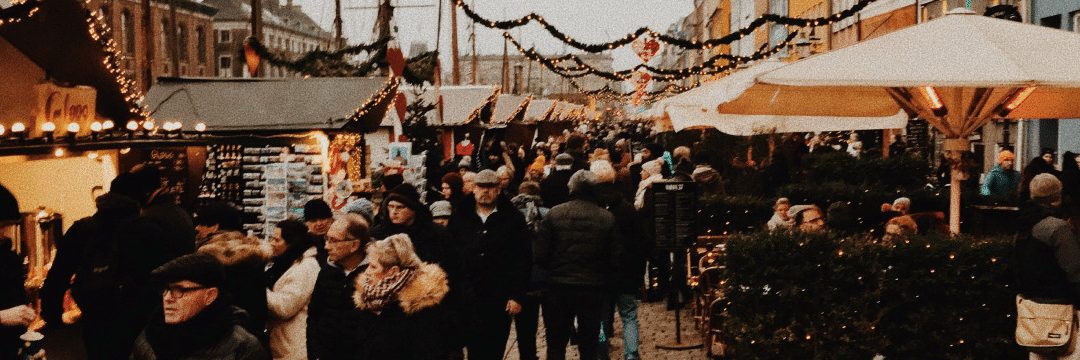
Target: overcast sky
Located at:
point(590, 21)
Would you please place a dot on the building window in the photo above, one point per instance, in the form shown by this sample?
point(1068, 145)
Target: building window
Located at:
point(224, 36)
point(225, 66)
point(1076, 22)
point(182, 41)
point(166, 50)
point(127, 31)
point(200, 41)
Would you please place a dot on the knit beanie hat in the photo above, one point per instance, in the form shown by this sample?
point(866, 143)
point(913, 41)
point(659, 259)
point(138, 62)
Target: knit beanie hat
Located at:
point(202, 268)
point(361, 206)
point(1045, 186)
point(1005, 155)
point(317, 209)
point(406, 195)
point(441, 208)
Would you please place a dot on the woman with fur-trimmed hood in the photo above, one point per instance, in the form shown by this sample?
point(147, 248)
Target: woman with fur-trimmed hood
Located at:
point(401, 297)
point(245, 259)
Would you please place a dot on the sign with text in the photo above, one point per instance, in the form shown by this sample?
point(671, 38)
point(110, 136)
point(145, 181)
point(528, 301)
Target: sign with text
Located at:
point(63, 105)
point(674, 210)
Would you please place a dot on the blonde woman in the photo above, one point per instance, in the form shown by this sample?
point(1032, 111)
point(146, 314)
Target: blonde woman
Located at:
point(401, 295)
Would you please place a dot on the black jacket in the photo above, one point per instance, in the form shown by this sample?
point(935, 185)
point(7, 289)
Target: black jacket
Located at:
point(496, 255)
point(213, 334)
point(12, 294)
point(635, 242)
point(578, 245)
point(178, 235)
point(333, 320)
point(139, 248)
point(1047, 256)
point(554, 189)
point(432, 243)
point(245, 283)
point(407, 328)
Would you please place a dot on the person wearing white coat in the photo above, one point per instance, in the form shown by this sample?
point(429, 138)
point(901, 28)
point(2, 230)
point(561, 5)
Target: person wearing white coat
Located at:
point(287, 302)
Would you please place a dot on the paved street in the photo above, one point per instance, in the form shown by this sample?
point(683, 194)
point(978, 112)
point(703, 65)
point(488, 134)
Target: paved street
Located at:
point(657, 326)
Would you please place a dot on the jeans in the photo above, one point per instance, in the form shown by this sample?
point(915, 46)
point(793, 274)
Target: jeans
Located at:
point(561, 306)
point(627, 305)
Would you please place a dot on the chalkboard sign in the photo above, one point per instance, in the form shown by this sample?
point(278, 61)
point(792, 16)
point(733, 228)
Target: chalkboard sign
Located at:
point(674, 211)
point(172, 162)
point(918, 136)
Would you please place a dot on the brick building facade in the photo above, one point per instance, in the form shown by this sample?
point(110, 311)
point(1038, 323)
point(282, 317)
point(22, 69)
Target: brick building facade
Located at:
point(286, 30)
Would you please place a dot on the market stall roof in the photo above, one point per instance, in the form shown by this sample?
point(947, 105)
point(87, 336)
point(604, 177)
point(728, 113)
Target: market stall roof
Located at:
point(58, 39)
point(287, 104)
point(539, 110)
point(459, 103)
point(509, 108)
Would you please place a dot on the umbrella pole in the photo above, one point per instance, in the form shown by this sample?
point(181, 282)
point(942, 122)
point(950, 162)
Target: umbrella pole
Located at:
point(955, 148)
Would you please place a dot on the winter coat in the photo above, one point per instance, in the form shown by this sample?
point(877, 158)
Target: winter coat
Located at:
point(245, 260)
point(178, 229)
point(1047, 255)
point(12, 294)
point(287, 303)
point(129, 298)
point(578, 245)
point(432, 243)
point(497, 254)
point(406, 328)
point(213, 334)
point(555, 188)
point(1001, 183)
point(634, 240)
point(333, 320)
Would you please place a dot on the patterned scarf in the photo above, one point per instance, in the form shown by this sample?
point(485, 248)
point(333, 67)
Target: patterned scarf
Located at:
point(378, 294)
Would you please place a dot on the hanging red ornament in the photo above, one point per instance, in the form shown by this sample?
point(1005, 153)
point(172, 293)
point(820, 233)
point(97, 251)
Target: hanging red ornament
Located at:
point(251, 58)
point(646, 48)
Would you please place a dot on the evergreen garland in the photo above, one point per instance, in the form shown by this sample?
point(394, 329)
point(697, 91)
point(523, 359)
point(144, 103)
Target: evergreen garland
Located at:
point(322, 63)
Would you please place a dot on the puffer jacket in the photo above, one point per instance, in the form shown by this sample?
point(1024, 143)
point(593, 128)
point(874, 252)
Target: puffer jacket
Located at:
point(245, 260)
point(213, 334)
point(407, 327)
point(287, 303)
point(577, 245)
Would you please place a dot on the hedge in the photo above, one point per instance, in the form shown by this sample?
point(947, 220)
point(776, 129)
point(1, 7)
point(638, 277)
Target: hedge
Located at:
point(798, 296)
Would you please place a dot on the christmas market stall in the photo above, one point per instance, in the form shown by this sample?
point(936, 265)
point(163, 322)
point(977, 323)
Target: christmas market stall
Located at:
point(273, 144)
point(562, 118)
point(510, 109)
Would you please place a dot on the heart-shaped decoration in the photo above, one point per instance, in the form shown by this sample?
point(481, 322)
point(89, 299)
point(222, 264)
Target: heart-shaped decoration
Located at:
point(646, 48)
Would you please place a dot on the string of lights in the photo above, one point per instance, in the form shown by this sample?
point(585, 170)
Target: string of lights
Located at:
point(389, 89)
point(99, 32)
point(673, 40)
point(707, 69)
point(19, 12)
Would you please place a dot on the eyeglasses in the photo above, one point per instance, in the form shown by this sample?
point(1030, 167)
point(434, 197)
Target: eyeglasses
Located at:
point(336, 240)
point(179, 292)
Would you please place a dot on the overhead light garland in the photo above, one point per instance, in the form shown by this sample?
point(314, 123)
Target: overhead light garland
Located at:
point(99, 32)
point(763, 52)
point(19, 12)
point(676, 41)
point(319, 63)
point(388, 90)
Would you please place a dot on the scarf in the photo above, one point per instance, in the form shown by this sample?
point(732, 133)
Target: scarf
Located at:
point(376, 295)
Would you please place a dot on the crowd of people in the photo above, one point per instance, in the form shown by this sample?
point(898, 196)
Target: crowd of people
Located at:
point(441, 272)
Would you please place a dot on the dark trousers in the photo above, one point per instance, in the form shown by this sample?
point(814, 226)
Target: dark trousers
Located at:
point(525, 324)
point(109, 337)
point(561, 306)
point(491, 329)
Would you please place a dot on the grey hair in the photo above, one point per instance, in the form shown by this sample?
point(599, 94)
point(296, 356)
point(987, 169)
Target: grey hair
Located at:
point(605, 173)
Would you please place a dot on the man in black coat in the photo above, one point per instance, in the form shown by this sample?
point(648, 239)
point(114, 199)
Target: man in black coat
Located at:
point(495, 242)
point(553, 189)
point(578, 249)
point(178, 230)
point(333, 320)
point(14, 314)
point(111, 255)
point(576, 145)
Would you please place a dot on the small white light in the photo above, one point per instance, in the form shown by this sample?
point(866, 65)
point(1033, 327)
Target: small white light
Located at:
point(92, 155)
point(18, 127)
point(132, 125)
point(59, 152)
point(200, 127)
point(48, 126)
point(2, 129)
point(125, 150)
point(73, 128)
point(148, 125)
point(107, 125)
point(95, 126)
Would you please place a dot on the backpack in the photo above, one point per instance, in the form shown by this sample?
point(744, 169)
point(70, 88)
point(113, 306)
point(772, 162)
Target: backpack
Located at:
point(99, 281)
point(533, 216)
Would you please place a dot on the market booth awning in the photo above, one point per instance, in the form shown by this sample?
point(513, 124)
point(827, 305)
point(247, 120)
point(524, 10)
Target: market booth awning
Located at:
point(509, 109)
point(274, 105)
point(539, 110)
point(697, 108)
point(957, 72)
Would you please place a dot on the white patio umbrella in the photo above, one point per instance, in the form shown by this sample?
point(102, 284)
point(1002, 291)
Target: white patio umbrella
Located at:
point(697, 108)
point(957, 72)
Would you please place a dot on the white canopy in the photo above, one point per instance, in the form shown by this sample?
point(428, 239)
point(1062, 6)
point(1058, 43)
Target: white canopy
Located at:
point(698, 108)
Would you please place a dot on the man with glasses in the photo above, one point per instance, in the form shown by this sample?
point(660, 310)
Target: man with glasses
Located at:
point(332, 317)
point(496, 245)
point(808, 218)
point(196, 323)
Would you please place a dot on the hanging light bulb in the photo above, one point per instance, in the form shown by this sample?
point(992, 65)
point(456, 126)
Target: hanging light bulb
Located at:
point(72, 130)
point(2, 130)
point(107, 125)
point(200, 127)
point(48, 128)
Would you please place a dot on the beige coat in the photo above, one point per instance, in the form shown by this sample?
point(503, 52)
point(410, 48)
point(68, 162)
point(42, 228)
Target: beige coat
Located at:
point(287, 303)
